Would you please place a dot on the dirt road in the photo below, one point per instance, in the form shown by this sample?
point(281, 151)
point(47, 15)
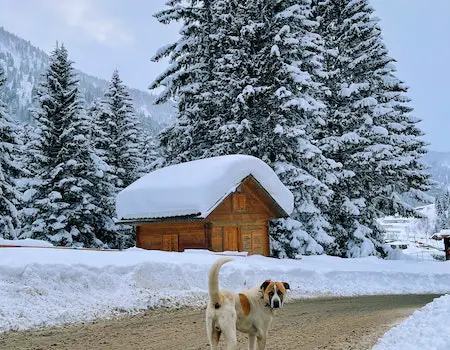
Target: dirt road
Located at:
point(335, 323)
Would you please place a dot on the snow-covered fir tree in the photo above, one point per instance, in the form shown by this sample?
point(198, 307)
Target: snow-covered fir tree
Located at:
point(190, 79)
point(255, 93)
point(64, 200)
point(106, 190)
point(443, 210)
point(368, 132)
point(280, 106)
point(28, 180)
point(151, 156)
point(10, 170)
point(121, 142)
point(118, 145)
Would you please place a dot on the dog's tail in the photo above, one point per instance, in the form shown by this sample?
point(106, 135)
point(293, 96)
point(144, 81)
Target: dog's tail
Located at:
point(213, 282)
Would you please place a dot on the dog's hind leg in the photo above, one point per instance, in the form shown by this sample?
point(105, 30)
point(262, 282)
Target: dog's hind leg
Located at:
point(229, 333)
point(251, 342)
point(213, 334)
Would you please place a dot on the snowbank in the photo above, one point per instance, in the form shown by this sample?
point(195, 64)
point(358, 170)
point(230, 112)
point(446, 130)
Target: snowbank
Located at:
point(428, 328)
point(24, 243)
point(43, 287)
point(197, 187)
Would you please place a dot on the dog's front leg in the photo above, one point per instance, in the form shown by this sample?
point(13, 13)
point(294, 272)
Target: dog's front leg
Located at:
point(251, 342)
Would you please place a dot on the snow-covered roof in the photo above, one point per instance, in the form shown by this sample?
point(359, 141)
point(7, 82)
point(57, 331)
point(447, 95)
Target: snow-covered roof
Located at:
point(441, 234)
point(196, 188)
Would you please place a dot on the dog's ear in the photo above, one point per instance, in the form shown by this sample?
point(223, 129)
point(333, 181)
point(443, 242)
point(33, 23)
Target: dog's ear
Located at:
point(286, 285)
point(265, 284)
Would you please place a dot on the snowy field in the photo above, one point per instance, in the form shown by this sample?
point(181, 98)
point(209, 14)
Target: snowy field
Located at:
point(45, 287)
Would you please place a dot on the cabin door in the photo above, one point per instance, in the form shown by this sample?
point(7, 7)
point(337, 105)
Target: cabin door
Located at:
point(170, 242)
point(231, 238)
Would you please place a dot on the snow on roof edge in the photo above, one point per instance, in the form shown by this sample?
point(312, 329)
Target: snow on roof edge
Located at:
point(221, 199)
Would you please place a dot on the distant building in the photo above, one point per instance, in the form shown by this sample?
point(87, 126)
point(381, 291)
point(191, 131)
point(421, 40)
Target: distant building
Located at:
point(397, 227)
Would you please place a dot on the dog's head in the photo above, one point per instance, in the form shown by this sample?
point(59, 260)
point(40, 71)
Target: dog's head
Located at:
point(274, 293)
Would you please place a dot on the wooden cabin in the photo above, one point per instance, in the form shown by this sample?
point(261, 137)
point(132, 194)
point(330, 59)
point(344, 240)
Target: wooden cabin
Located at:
point(237, 221)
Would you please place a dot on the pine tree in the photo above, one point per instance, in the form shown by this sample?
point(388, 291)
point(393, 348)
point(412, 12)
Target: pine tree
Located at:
point(280, 105)
point(151, 156)
point(105, 228)
point(27, 179)
point(189, 79)
point(122, 154)
point(443, 211)
point(64, 200)
point(10, 170)
point(118, 145)
point(368, 130)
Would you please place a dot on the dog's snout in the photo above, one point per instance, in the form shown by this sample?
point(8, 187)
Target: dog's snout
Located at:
point(276, 303)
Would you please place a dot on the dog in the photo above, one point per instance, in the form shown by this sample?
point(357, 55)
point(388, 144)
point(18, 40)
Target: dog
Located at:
point(250, 311)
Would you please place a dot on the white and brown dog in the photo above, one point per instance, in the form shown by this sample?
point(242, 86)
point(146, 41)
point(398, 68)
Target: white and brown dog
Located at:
point(250, 311)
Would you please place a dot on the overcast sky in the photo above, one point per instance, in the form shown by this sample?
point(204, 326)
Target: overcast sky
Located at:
point(102, 35)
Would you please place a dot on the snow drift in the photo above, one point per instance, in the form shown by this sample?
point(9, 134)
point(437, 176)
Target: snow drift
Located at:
point(44, 287)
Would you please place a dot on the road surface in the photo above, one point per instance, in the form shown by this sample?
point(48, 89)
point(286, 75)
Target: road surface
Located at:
point(332, 323)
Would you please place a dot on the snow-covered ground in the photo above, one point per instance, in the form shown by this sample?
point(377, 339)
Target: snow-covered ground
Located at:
point(419, 251)
point(44, 287)
point(428, 328)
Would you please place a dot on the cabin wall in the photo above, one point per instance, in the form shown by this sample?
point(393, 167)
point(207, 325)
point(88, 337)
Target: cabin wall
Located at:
point(251, 237)
point(167, 236)
point(240, 222)
point(247, 205)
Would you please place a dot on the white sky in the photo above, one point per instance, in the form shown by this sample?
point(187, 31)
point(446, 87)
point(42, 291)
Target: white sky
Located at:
point(102, 35)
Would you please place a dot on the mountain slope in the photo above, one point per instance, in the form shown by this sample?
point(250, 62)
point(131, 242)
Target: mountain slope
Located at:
point(24, 64)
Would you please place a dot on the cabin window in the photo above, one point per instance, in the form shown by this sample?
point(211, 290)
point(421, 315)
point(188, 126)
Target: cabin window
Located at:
point(247, 242)
point(170, 242)
point(257, 247)
point(239, 202)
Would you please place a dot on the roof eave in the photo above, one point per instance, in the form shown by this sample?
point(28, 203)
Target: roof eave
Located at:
point(136, 221)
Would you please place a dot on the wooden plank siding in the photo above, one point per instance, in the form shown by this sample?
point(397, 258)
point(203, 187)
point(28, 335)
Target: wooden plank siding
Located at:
point(217, 239)
point(191, 235)
point(239, 222)
point(257, 204)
